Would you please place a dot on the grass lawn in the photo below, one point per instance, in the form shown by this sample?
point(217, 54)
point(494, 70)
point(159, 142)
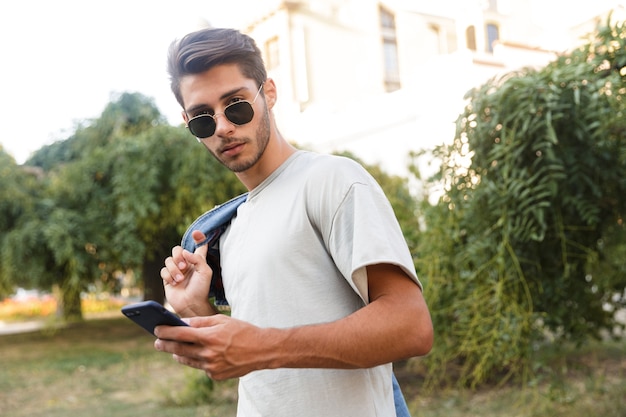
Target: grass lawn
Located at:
point(98, 368)
point(107, 367)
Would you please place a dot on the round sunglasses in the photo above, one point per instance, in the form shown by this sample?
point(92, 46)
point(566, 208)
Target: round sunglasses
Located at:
point(238, 113)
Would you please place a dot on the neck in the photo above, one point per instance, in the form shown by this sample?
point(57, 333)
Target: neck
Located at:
point(278, 150)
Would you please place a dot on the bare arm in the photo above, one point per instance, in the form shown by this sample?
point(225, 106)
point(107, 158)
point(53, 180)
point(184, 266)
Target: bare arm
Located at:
point(395, 325)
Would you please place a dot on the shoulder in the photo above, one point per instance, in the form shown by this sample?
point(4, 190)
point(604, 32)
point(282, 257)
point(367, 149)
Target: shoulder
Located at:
point(332, 170)
point(329, 181)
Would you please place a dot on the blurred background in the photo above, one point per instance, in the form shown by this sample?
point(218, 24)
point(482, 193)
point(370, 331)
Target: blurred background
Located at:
point(495, 127)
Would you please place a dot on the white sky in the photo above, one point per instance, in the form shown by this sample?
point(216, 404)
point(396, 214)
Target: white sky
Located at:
point(62, 59)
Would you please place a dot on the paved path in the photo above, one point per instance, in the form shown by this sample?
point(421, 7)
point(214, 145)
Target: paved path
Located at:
point(35, 325)
point(21, 327)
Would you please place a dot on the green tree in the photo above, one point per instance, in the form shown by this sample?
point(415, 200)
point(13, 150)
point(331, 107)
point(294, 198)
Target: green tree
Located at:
point(65, 240)
point(19, 188)
point(59, 242)
point(534, 184)
point(119, 193)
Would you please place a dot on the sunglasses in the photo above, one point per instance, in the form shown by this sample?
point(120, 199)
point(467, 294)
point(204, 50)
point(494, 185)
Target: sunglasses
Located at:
point(238, 113)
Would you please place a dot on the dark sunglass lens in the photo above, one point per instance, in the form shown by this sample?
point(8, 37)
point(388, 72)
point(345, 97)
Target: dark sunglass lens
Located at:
point(202, 126)
point(239, 113)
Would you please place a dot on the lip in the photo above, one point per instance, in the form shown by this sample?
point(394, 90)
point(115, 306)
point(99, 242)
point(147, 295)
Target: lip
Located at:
point(233, 149)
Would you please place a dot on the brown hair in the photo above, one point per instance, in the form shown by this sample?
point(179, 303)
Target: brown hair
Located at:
point(202, 50)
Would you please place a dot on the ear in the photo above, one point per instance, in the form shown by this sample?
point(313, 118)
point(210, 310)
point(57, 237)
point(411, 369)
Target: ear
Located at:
point(269, 89)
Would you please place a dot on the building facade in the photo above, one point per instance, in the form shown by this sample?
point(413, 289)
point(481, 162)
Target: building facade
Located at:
point(381, 78)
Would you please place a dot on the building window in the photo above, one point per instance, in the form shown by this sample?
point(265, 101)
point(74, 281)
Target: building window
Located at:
point(493, 34)
point(272, 57)
point(470, 38)
point(390, 50)
point(434, 39)
point(387, 20)
point(392, 71)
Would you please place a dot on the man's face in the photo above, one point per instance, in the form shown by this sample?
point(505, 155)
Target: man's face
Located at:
point(238, 147)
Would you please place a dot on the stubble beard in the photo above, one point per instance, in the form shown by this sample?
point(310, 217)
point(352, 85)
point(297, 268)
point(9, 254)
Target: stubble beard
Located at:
point(262, 138)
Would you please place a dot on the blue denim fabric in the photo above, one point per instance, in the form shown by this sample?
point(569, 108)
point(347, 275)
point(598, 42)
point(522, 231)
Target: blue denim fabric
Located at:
point(402, 410)
point(212, 224)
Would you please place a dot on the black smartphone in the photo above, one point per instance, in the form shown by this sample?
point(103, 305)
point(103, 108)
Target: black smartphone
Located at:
point(149, 314)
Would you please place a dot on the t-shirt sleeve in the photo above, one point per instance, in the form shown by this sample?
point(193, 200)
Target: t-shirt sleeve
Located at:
point(364, 231)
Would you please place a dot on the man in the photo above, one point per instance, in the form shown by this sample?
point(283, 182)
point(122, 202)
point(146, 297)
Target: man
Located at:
point(322, 287)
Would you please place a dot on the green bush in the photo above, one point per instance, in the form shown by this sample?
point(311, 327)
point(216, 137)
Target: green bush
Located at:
point(518, 248)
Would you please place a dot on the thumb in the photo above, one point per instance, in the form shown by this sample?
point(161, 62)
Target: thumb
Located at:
point(198, 257)
point(198, 237)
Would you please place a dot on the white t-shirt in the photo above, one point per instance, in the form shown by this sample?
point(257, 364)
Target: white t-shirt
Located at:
point(294, 255)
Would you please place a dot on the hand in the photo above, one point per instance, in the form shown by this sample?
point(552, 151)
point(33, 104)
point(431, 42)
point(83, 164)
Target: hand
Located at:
point(187, 279)
point(219, 345)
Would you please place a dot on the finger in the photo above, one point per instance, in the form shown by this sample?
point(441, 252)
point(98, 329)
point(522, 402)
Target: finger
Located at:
point(208, 321)
point(179, 260)
point(199, 237)
point(189, 354)
point(171, 273)
point(171, 338)
point(167, 277)
point(198, 257)
point(198, 364)
point(198, 262)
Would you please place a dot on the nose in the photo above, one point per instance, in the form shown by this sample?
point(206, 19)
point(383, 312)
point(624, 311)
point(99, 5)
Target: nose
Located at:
point(223, 126)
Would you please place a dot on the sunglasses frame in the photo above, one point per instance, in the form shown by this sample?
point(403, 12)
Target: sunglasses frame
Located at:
point(223, 113)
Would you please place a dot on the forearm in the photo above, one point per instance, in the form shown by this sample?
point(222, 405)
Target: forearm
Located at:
point(377, 334)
